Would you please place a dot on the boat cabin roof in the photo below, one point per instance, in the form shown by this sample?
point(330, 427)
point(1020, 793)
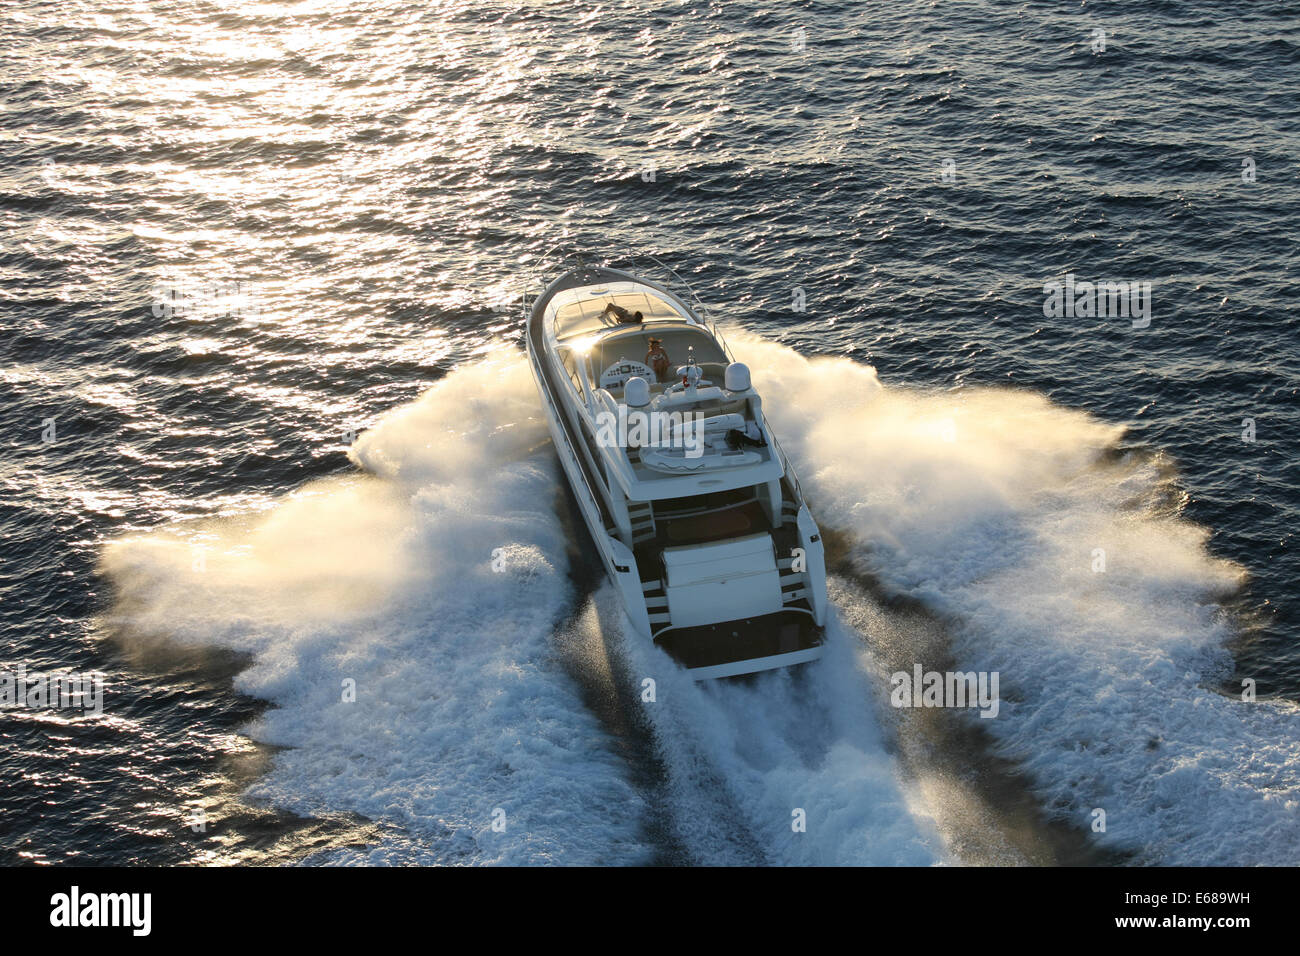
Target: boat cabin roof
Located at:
point(578, 313)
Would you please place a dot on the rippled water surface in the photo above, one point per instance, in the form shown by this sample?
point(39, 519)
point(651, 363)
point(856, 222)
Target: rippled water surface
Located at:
point(239, 235)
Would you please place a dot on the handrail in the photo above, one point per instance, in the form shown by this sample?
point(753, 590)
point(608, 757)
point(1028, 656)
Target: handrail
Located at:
point(786, 468)
point(700, 314)
point(536, 357)
point(568, 262)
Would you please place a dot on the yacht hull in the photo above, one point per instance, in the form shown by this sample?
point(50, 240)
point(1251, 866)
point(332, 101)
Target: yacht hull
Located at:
point(709, 650)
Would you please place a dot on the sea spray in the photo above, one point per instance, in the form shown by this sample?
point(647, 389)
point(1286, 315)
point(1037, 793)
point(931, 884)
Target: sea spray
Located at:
point(789, 767)
point(990, 505)
point(414, 682)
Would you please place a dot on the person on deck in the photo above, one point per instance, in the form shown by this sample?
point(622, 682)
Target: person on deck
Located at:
point(622, 314)
point(658, 359)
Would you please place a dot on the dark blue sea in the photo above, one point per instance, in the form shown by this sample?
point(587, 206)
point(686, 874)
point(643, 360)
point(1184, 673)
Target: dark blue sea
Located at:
point(275, 467)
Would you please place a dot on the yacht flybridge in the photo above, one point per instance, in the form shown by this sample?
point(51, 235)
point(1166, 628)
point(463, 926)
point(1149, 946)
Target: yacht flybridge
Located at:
point(694, 509)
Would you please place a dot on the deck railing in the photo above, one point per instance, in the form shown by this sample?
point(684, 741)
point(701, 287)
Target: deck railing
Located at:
point(551, 266)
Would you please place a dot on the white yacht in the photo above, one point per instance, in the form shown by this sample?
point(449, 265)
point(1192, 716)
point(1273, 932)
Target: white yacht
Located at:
point(696, 513)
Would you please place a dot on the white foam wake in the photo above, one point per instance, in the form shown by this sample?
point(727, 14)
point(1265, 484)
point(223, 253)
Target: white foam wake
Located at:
point(388, 581)
point(993, 506)
point(986, 504)
point(788, 767)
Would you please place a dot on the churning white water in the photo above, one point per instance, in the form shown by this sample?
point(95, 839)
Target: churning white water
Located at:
point(434, 588)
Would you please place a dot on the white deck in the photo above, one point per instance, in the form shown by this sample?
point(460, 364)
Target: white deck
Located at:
point(590, 342)
point(693, 541)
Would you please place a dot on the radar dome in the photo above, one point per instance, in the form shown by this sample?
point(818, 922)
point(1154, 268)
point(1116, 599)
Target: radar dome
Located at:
point(736, 377)
point(637, 392)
